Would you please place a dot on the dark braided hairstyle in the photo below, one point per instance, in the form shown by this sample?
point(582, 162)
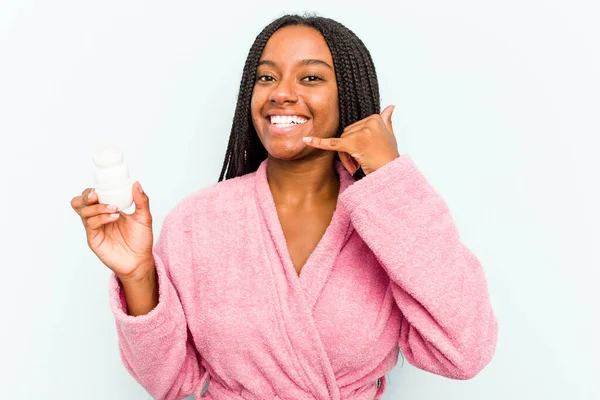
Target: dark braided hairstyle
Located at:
point(358, 90)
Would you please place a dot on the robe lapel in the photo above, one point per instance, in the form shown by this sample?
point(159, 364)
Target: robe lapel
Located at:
point(296, 295)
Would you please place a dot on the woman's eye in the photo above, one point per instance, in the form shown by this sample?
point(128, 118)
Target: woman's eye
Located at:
point(313, 78)
point(264, 78)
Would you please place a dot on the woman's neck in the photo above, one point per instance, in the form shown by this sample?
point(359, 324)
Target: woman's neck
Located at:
point(305, 182)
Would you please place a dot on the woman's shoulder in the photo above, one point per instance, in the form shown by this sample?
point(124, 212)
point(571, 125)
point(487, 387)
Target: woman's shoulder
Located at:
point(215, 201)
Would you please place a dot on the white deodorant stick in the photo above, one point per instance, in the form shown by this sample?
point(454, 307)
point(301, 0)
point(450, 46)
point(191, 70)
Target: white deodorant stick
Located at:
point(111, 176)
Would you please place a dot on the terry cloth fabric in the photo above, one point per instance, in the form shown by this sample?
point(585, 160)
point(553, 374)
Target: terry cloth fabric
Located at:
point(235, 321)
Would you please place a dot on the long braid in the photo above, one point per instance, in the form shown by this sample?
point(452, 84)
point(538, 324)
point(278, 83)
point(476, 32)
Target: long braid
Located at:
point(358, 90)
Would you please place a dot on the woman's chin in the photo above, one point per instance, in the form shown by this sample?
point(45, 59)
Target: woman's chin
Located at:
point(287, 152)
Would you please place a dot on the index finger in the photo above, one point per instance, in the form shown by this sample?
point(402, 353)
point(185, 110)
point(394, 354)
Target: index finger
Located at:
point(334, 144)
point(85, 199)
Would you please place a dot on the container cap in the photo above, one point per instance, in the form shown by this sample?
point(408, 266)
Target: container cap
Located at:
point(108, 156)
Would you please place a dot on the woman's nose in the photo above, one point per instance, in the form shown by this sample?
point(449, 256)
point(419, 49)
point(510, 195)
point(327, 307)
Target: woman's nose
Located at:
point(284, 91)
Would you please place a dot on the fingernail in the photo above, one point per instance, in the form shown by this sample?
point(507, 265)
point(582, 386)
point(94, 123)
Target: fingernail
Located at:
point(111, 207)
point(307, 139)
point(140, 188)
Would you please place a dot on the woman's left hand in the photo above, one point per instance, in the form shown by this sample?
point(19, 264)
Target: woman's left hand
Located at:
point(368, 144)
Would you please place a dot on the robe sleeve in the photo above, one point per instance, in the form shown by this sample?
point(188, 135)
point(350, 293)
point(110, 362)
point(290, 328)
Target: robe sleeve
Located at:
point(156, 348)
point(448, 326)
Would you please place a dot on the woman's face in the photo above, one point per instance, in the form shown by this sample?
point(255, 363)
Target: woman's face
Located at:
point(295, 93)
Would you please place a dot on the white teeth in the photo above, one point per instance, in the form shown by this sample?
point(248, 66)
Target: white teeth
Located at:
point(287, 120)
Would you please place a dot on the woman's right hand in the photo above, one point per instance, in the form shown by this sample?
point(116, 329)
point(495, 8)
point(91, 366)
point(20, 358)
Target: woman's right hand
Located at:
point(123, 242)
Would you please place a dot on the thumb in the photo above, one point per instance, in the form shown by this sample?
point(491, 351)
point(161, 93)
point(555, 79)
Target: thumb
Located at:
point(141, 200)
point(386, 114)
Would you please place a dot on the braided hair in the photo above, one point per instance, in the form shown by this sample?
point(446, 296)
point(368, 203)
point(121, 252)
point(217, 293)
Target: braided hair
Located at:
point(358, 90)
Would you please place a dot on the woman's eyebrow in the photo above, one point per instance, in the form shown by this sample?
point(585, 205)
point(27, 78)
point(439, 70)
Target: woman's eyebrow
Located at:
point(310, 61)
point(266, 62)
point(314, 61)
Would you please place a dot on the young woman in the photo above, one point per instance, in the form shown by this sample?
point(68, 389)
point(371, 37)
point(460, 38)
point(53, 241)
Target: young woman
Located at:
point(322, 254)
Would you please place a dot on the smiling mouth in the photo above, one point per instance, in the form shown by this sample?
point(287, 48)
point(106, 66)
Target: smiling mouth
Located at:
point(286, 121)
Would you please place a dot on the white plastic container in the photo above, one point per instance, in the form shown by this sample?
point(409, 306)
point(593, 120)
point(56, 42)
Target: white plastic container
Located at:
point(111, 175)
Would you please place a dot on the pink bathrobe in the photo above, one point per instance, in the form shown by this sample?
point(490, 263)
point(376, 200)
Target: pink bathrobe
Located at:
point(235, 321)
